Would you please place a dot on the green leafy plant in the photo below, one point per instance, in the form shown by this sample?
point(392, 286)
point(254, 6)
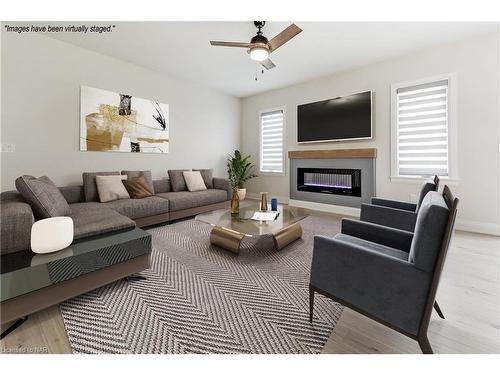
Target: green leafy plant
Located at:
point(240, 169)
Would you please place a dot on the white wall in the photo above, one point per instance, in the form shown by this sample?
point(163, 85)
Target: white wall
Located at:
point(41, 80)
point(476, 64)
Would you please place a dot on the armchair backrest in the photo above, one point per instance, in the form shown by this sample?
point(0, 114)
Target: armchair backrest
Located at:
point(428, 185)
point(436, 182)
point(452, 204)
point(430, 229)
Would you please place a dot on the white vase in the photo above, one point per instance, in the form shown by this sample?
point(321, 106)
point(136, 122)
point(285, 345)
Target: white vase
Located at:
point(242, 194)
point(53, 234)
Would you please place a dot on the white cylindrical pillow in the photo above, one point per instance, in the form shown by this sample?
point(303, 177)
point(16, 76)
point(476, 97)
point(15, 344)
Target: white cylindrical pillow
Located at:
point(194, 181)
point(53, 234)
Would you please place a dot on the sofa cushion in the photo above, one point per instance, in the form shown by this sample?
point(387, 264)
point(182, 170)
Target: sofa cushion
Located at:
point(146, 174)
point(43, 196)
point(73, 193)
point(182, 200)
point(89, 185)
point(208, 175)
point(395, 253)
point(194, 181)
point(85, 206)
point(162, 186)
point(177, 179)
point(137, 208)
point(137, 187)
point(98, 221)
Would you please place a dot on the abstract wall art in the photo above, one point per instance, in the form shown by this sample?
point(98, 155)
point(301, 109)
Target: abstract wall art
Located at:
point(120, 122)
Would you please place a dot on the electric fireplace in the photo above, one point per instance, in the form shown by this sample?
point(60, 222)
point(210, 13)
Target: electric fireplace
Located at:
point(330, 181)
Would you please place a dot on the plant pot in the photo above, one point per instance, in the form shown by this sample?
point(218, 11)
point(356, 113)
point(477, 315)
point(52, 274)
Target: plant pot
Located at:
point(242, 194)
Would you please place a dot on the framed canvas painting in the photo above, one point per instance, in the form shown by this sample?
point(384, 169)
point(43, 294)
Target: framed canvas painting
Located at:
point(117, 122)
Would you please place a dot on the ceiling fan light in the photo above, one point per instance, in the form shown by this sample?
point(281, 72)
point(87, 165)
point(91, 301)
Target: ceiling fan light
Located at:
point(259, 53)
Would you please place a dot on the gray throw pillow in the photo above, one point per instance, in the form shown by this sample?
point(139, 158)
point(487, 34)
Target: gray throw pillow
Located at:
point(43, 196)
point(146, 174)
point(177, 179)
point(208, 175)
point(90, 186)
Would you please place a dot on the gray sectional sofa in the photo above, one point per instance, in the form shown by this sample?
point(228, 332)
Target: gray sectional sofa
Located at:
point(90, 217)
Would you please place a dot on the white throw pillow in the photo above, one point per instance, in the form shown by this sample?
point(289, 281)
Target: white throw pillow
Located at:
point(111, 188)
point(194, 181)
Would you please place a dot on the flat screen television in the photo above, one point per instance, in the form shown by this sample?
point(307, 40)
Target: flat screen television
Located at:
point(338, 119)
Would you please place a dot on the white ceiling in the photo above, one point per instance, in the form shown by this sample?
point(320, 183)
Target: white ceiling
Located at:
point(182, 49)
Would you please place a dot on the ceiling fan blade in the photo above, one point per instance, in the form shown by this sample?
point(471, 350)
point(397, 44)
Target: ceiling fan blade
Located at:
point(230, 44)
point(268, 64)
point(284, 36)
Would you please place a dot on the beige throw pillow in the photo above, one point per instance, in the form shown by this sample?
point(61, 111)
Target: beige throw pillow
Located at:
point(194, 181)
point(110, 188)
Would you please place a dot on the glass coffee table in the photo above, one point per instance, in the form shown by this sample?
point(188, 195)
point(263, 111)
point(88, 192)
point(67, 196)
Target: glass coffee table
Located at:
point(229, 229)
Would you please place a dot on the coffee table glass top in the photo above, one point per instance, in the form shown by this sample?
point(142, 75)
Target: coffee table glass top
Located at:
point(242, 222)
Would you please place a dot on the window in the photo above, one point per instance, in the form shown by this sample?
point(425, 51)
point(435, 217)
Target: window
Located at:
point(272, 141)
point(421, 128)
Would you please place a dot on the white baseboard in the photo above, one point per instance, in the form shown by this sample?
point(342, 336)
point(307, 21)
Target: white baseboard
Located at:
point(478, 227)
point(340, 210)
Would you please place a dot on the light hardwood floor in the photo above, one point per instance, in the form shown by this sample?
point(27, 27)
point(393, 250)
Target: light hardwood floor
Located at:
point(468, 295)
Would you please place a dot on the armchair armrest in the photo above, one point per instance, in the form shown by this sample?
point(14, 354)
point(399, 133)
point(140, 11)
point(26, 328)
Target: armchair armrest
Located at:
point(395, 238)
point(388, 288)
point(395, 204)
point(390, 217)
point(223, 184)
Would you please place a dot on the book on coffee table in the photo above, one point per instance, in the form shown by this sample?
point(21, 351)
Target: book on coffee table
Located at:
point(265, 216)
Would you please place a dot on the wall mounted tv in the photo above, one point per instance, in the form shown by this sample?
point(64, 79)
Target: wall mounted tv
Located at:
point(338, 119)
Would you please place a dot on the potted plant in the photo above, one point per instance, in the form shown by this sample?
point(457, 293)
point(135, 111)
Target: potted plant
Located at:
point(240, 169)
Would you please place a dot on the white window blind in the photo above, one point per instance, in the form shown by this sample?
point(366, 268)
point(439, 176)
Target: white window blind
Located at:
point(271, 148)
point(422, 129)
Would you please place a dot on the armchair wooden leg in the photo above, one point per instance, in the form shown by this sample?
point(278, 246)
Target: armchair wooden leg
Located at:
point(425, 345)
point(438, 310)
point(311, 303)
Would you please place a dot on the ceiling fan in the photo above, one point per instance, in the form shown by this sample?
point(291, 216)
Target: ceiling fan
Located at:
point(260, 47)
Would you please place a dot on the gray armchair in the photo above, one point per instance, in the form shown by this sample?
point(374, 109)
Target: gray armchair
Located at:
point(396, 214)
point(387, 274)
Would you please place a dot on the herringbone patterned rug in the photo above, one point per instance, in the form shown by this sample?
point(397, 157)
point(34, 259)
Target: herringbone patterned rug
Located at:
point(201, 299)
